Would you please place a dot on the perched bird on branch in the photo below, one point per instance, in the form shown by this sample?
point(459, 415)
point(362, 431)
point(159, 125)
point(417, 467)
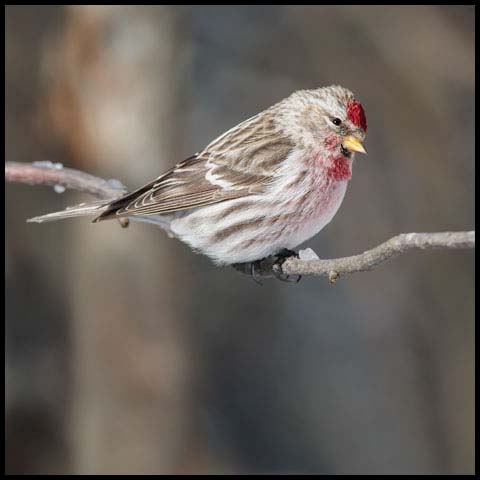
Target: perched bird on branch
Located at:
point(260, 189)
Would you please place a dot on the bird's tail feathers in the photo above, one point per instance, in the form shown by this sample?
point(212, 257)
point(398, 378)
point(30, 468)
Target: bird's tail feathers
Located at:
point(83, 209)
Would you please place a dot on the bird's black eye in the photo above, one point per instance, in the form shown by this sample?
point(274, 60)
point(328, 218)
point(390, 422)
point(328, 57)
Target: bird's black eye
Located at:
point(336, 121)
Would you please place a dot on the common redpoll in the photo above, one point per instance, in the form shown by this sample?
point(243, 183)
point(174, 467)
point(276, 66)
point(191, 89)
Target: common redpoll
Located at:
point(264, 186)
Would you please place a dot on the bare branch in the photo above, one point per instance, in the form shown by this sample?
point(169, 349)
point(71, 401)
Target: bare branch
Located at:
point(387, 250)
point(53, 174)
point(46, 173)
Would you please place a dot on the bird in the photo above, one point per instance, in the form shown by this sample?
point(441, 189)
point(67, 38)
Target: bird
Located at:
point(260, 189)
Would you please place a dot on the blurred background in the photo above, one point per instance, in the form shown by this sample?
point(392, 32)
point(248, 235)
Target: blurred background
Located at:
point(128, 353)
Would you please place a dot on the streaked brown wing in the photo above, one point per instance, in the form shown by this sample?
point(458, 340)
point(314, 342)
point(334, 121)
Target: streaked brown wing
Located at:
point(239, 163)
point(185, 186)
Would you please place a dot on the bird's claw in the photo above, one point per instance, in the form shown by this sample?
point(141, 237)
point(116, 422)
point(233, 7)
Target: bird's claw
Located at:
point(280, 258)
point(273, 263)
point(252, 272)
point(250, 269)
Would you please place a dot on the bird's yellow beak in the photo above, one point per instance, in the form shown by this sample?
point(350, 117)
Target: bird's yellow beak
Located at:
point(353, 144)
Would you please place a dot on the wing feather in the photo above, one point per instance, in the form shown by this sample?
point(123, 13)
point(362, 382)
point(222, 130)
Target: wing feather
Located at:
point(239, 163)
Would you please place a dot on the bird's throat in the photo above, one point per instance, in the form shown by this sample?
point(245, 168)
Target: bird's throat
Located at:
point(338, 168)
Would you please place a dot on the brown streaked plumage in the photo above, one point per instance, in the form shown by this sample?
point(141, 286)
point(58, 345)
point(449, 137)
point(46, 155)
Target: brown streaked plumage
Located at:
point(226, 159)
point(267, 184)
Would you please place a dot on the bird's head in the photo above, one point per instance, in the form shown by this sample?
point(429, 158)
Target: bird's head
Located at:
point(328, 118)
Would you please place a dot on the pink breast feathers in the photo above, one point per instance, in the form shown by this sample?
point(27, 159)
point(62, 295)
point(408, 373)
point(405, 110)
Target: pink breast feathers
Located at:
point(338, 168)
point(356, 115)
point(334, 166)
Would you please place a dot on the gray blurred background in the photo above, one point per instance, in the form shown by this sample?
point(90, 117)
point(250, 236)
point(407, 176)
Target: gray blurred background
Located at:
point(128, 353)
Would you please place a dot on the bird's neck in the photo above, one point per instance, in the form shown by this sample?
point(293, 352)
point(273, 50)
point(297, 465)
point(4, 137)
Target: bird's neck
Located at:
point(339, 168)
point(336, 167)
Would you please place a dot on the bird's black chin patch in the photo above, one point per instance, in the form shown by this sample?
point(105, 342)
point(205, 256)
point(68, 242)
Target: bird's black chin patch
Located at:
point(345, 152)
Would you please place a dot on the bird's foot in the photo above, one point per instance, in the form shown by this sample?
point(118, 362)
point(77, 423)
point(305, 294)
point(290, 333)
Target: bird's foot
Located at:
point(280, 258)
point(267, 266)
point(252, 269)
point(255, 266)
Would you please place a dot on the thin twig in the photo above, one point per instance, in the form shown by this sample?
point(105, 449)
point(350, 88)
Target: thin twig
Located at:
point(54, 174)
point(385, 251)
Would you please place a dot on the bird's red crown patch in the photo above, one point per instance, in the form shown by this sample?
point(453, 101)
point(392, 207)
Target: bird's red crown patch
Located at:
point(356, 115)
